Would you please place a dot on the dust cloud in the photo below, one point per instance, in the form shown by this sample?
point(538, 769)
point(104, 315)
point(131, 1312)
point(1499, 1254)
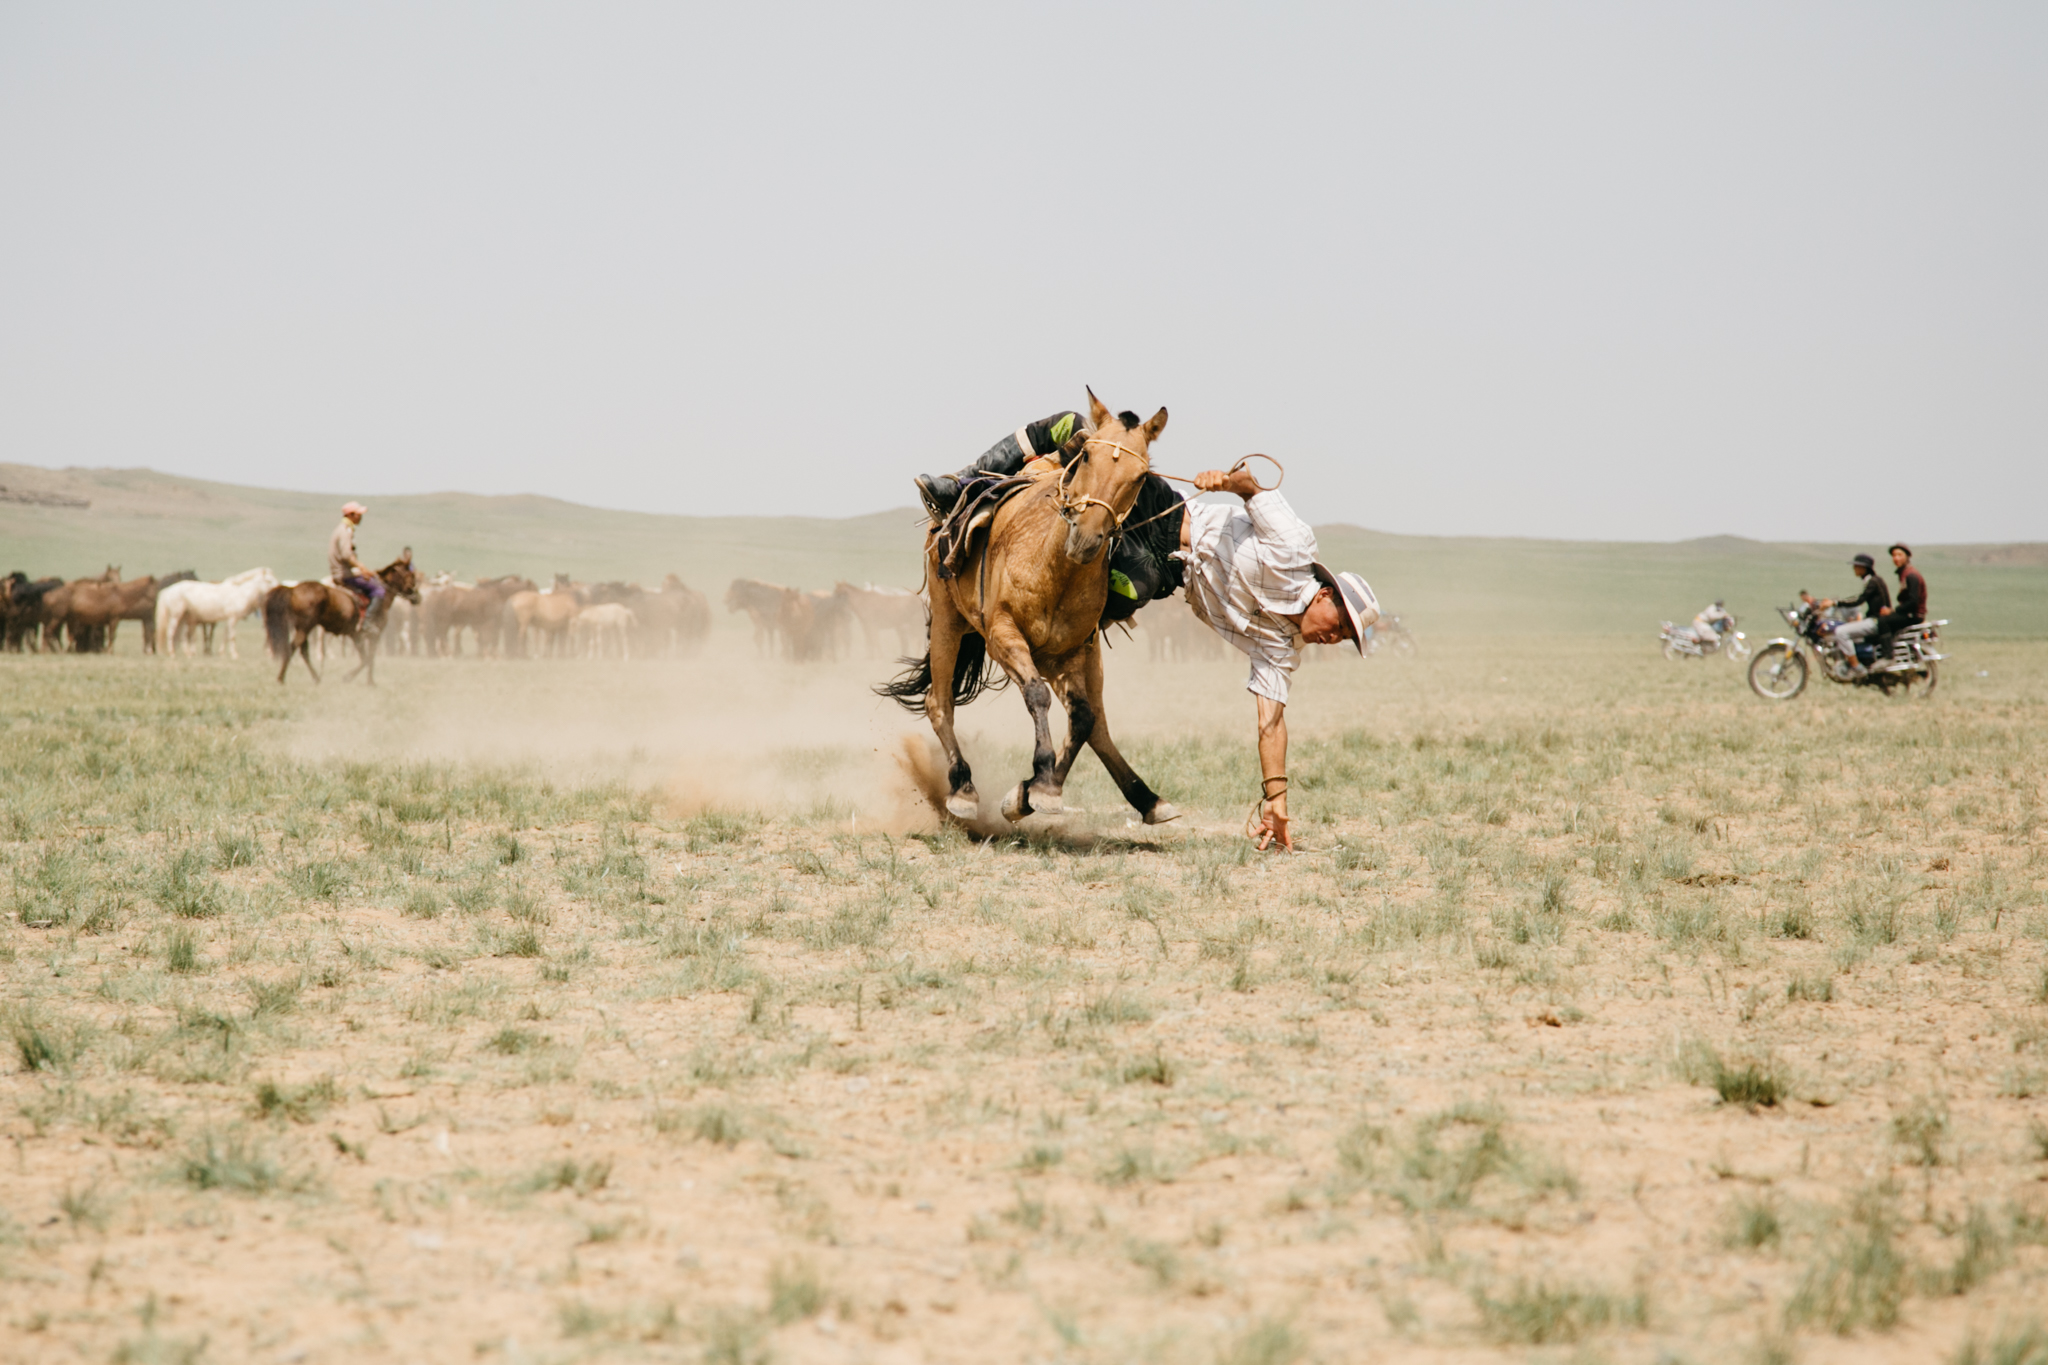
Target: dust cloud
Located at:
point(732, 731)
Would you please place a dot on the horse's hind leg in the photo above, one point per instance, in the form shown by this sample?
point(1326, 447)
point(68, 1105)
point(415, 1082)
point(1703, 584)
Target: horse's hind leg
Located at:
point(306, 653)
point(1142, 798)
point(962, 803)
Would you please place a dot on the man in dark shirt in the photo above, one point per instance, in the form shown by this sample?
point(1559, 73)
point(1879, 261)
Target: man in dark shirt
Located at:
point(1139, 565)
point(1911, 607)
point(1875, 600)
point(1047, 436)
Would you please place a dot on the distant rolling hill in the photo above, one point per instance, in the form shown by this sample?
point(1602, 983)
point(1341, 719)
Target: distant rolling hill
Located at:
point(76, 521)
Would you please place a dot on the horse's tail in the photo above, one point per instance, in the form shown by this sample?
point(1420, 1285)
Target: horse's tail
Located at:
point(972, 675)
point(277, 623)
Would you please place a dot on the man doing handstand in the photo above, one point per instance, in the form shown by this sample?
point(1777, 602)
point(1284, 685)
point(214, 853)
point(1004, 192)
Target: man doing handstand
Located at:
point(1252, 577)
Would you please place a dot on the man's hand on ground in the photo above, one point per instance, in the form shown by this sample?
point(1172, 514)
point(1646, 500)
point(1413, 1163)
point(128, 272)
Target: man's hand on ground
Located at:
point(1273, 830)
point(1237, 481)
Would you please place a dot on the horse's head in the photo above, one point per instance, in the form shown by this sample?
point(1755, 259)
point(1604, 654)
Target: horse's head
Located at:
point(399, 577)
point(1100, 483)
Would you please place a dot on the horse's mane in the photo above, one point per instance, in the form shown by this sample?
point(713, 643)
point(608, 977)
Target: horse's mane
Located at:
point(1155, 525)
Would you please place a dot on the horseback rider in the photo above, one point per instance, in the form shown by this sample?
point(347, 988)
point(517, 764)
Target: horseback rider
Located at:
point(342, 565)
point(1140, 565)
point(1057, 435)
point(1252, 577)
point(1875, 601)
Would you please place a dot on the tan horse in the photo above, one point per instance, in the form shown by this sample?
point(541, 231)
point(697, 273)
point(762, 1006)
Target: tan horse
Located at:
point(543, 618)
point(291, 613)
point(1032, 599)
point(883, 609)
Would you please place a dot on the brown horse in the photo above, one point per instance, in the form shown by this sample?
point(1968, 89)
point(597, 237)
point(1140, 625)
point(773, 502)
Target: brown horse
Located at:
point(676, 618)
point(763, 604)
point(291, 613)
point(96, 606)
point(54, 609)
point(480, 608)
point(1031, 596)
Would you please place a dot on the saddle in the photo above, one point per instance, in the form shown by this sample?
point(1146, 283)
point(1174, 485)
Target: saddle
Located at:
point(966, 526)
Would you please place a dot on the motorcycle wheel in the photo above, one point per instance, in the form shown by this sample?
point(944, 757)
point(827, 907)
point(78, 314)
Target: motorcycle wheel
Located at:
point(1778, 673)
point(1921, 685)
point(1671, 651)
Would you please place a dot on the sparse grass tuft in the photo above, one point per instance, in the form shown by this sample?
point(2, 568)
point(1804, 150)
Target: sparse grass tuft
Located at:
point(1269, 1342)
point(1859, 1278)
point(578, 1177)
point(299, 1103)
point(2026, 1344)
point(235, 1162)
point(794, 1292)
point(1754, 1224)
point(1920, 1129)
point(1753, 1084)
point(1540, 1314)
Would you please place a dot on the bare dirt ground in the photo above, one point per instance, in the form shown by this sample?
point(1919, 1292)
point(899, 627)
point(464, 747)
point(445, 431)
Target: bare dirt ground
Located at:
point(549, 1011)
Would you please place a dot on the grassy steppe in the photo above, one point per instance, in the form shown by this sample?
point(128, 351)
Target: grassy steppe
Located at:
point(1608, 1014)
point(149, 523)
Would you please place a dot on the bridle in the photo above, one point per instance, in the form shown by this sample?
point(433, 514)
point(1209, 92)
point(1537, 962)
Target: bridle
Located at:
point(1071, 508)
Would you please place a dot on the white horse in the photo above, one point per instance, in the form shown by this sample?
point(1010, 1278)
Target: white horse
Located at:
point(182, 606)
point(599, 630)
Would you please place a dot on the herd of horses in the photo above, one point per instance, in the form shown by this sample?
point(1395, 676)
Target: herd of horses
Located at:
point(43, 613)
point(440, 617)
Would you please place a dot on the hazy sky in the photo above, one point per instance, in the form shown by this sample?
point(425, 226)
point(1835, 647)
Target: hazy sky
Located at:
point(1641, 271)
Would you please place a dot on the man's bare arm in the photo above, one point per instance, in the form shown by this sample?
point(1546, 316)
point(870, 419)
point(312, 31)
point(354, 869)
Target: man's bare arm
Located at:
point(1273, 765)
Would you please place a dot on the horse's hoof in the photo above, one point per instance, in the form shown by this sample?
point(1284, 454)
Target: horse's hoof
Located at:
point(1017, 804)
point(962, 805)
point(1161, 812)
point(1047, 803)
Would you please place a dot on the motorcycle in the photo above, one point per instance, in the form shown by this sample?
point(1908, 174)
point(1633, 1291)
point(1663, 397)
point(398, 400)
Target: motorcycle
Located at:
point(1779, 671)
point(1681, 643)
point(1389, 633)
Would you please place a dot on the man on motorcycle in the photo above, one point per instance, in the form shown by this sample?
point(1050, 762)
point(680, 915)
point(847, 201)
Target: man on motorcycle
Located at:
point(1707, 626)
point(1912, 604)
point(1874, 601)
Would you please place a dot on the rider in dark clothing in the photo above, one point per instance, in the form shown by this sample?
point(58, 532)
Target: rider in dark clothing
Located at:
point(1048, 436)
point(1910, 609)
point(1875, 600)
point(1139, 565)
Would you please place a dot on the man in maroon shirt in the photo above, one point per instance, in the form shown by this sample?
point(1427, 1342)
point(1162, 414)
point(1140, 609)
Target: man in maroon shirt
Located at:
point(1911, 607)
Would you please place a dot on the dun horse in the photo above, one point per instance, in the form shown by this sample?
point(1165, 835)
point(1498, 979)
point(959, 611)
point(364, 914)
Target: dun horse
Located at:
point(291, 613)
point(1031, 596)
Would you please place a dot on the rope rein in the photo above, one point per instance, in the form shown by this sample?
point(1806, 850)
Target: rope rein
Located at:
point(1262, 487)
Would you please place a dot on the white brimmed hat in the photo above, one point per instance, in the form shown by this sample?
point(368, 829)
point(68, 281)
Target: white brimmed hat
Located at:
point(1354, 596)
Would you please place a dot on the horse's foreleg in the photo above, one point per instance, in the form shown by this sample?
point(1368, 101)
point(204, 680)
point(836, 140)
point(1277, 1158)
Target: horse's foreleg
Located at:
point(1080, 725)
point(1040, 793)
point(1142, 798)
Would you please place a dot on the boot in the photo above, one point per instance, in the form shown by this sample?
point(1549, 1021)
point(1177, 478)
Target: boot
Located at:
point(940, 491)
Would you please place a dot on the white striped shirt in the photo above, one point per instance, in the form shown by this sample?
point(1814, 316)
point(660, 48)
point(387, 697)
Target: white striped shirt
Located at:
point(1249, 567)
